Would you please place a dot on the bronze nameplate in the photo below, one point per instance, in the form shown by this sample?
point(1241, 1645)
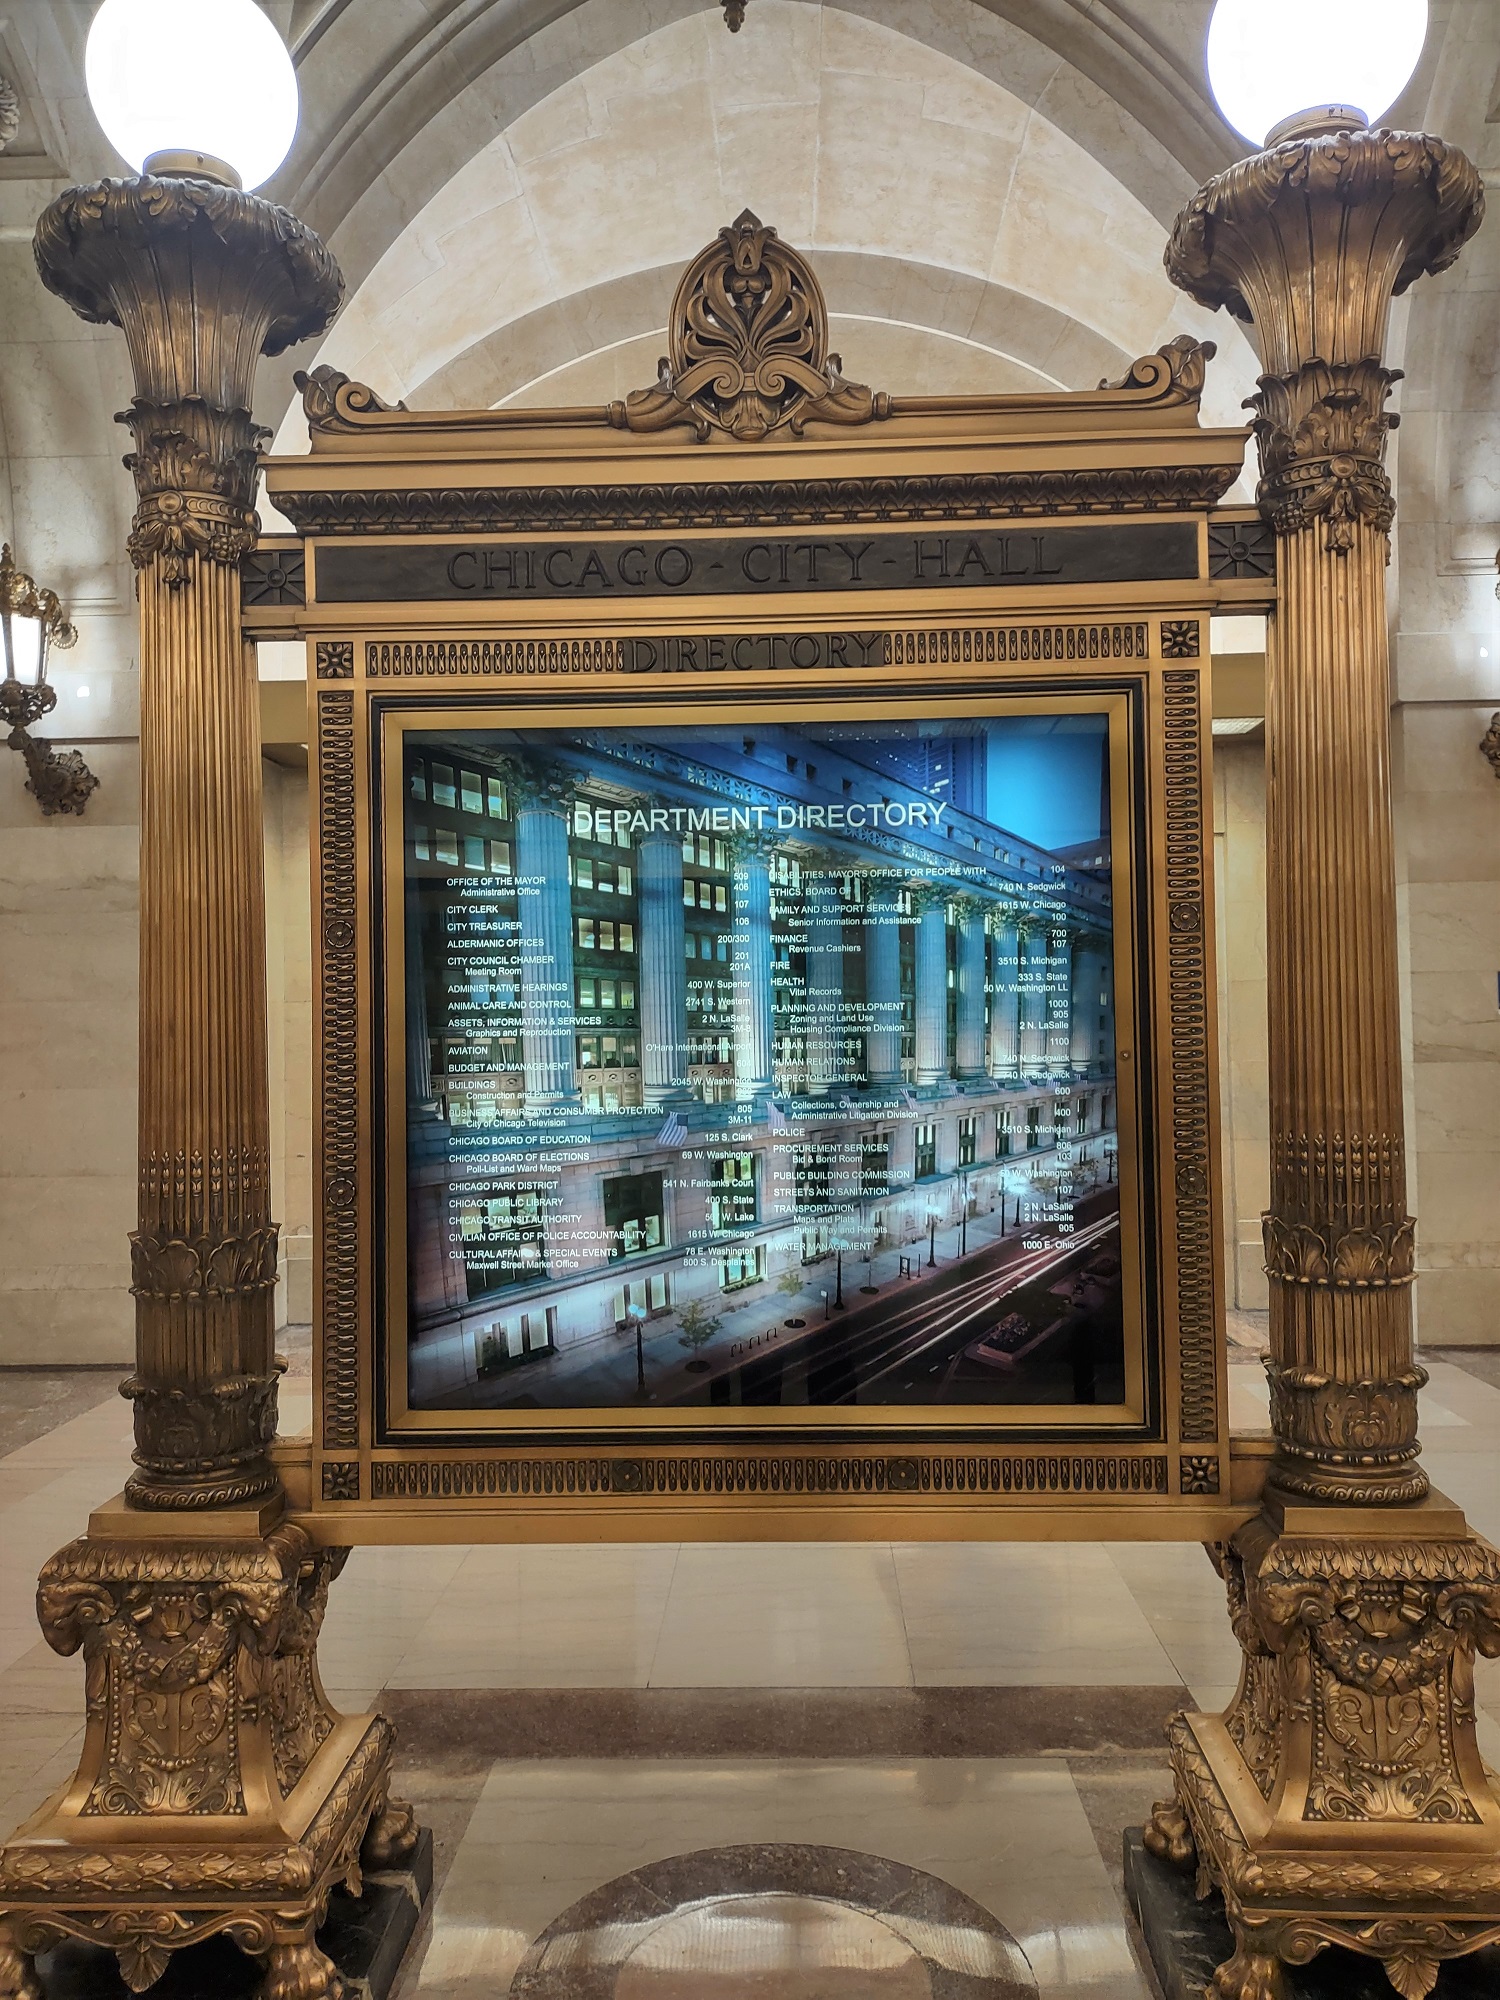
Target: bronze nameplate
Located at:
point(743, 565)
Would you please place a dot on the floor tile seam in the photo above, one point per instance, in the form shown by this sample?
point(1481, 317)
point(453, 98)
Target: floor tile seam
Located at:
point(911, 1662)
point(1143, 1608)
point(661, 1623)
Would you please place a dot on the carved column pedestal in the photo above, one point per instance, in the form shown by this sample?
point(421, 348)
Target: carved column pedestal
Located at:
point(1341, 1798)
point(217, 1790)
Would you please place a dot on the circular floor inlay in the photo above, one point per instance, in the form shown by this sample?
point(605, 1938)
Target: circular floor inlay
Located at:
point(776, 1947)
point(782, 1922)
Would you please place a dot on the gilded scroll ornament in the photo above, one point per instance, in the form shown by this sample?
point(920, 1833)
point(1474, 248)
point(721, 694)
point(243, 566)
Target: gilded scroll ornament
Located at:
point(1174, 374)
point(59, 780)
point(747, 342)
point(1489, 743)
point(332, 402)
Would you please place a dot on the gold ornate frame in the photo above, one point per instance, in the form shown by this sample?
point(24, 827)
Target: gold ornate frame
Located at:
point(1163, 1468)
point(400, 513)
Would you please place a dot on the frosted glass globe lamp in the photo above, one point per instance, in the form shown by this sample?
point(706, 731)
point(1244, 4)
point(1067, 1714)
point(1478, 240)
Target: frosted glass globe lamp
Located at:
point(198, 88)
point(1275, 64)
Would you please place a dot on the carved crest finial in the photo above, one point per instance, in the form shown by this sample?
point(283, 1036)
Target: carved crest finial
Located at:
point(748, 347)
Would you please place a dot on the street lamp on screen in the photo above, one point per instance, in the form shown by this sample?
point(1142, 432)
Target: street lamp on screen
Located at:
point(1271, 59)
point(203, 88)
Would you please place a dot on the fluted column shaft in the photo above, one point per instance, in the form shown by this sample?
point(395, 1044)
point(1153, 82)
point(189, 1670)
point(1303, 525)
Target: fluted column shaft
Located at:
point(544, 910)
point(883, 985)
point(202, 280)
point(968, 1051)
point(663, 980)
point(1309, 241)
point(1087, 970)
point(1338, 1237)
point(1031, 993)
point(932, 990)
point(202, 1320)
point(1005, 1001)
point(751, 934)
point(823, 985)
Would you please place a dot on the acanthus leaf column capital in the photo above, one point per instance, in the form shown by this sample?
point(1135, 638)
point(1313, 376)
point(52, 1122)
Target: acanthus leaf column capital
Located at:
point(1309, 242)
point(203, 280)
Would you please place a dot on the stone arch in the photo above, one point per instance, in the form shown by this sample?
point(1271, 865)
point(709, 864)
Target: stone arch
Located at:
point(1028, 344)
point(629, 167)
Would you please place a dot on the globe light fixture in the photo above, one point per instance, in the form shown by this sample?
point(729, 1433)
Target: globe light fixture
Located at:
point(198, 88)
point(32, 622)
point(1268, 60)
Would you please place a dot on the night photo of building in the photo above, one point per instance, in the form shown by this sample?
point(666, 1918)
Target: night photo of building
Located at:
point(773, 1066)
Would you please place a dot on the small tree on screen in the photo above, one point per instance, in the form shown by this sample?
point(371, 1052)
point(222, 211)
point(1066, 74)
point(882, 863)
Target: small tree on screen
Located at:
point(696, 1325)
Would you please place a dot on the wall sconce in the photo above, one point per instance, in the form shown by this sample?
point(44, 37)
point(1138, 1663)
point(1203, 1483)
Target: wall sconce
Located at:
point(31, 624)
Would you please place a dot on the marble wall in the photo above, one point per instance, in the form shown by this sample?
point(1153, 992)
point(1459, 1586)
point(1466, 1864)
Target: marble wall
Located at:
point(1446, 656)
point(289, 1007)
point(67, 886)
point(1240, 889)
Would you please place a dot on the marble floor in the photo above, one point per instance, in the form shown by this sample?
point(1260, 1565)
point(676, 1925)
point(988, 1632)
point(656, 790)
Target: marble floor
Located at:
point(715, 1772)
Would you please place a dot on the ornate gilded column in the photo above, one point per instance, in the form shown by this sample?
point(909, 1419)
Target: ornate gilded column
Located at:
point(202, 279)
point(1341, 1798)
point(1309, 241)
point(217, 1790)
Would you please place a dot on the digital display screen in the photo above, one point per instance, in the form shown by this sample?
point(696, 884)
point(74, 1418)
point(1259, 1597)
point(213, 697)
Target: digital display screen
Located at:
point(762, 1063)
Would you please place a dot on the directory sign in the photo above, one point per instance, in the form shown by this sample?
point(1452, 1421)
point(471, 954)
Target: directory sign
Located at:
point(767, 1062)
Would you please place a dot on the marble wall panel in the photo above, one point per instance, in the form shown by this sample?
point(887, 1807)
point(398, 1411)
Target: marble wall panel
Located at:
point(289, 1009)
point(1240, 885)
point(1448, 823)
